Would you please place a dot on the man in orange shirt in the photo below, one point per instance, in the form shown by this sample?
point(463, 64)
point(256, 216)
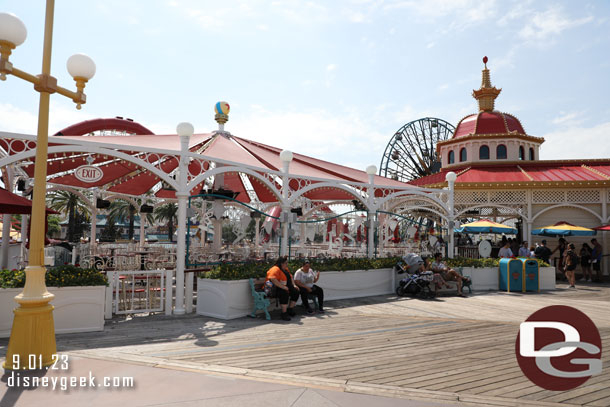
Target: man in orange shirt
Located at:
point(285, 289)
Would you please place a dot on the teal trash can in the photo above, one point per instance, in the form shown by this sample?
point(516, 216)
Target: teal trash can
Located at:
point(531, 274)
point(511, 275)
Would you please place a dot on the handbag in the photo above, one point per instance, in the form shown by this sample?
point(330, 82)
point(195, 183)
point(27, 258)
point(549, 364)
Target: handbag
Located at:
point(270, 289)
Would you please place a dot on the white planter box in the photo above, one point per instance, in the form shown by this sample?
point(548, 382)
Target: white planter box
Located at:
point(487, 278)
point(484, 278)
point(233, 299)
point(224, 299)
point(340, 285)
point(77, 309)
point(547, 278)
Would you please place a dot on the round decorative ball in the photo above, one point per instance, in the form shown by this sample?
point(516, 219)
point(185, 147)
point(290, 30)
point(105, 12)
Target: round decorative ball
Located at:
point(222, 108)
point(485, 59)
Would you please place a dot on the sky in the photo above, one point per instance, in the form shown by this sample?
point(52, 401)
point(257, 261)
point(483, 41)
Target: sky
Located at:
point(329, 79)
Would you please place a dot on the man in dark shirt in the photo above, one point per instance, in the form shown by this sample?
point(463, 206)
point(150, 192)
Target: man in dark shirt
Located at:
point(543, 253)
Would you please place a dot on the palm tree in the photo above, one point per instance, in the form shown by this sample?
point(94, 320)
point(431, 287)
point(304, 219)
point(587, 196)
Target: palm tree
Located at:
point(120, 210)
point(74, 205)
point(169, 213)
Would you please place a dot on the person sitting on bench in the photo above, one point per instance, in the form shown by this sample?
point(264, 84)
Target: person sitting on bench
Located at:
point(305, 278)
point(447, 273)
point(281, 278)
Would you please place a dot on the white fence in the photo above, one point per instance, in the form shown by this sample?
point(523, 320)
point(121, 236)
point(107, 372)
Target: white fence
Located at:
point(139, 291)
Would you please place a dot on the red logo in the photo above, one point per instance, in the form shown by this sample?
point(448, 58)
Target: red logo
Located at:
point(559, 348)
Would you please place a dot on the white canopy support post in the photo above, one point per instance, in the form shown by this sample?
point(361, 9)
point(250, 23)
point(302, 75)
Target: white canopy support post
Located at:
point(451, 177)
point(142, 230)
point(6, 221)
point(24, 236)
point(286, 157)
point(92, 233)
point(371, 170)
point(185, 131)
point(257, 229)
point(371, 232)
point(6, 237)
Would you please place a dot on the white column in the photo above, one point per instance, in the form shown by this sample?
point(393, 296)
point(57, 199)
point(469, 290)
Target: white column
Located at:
point(371, 233)
point(6, 237)
point(604, 264)
point(24, 235)
point(142, 230)
point(92, 245)
point(451, 177)
point(6, 221)
point(185, 131)
point(286, 157)
point(371, 170)
point(257, 229)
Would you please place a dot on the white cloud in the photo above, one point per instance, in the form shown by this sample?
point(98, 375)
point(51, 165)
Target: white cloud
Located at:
point(17, 120)
point(577, 142)
point(569, 118)
point(341, 139)
point(331, 67)
point(545, 25)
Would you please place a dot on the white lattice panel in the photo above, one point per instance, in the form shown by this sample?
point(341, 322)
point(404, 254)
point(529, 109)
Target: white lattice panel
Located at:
point(507, 197)
point(470, 197)
point(548, 197)
point(584, 196)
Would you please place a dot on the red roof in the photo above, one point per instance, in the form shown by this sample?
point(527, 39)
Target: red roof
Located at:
point(488, 123)
point(525, 172)
point(122, 176)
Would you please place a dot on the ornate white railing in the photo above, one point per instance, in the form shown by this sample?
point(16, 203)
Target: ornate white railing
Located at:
point(138, 291)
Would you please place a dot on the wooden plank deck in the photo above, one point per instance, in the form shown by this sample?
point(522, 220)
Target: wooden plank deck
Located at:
point(448, 346)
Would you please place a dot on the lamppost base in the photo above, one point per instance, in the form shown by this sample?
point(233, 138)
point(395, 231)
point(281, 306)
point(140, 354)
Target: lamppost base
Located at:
point(32, 337)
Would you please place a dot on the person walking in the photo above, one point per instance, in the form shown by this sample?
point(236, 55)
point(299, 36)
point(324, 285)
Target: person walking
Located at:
point(561, 247)
point(585, 262)
point(571, 262)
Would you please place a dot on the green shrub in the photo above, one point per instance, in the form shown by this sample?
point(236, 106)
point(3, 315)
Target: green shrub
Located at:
point(61, 276)
point(240, 271)
point(479, 263)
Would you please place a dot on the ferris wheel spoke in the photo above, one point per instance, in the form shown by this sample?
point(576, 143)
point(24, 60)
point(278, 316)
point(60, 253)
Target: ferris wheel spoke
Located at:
point(411, 153)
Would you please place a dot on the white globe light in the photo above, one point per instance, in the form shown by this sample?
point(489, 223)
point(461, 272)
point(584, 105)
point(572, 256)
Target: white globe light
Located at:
point(286, 155)
point(450, 176)
point(371, 170)
point(12, 29)
point(81, 66)
point(185, 129)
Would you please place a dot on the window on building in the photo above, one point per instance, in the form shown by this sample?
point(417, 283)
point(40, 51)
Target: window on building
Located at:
point(483, 153)
point(501, 152)
point(521, 153)
point(451, 157)
point(531, 154)
point(463, 155)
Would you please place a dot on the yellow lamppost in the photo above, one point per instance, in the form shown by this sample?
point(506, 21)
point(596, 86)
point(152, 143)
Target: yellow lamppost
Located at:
point(32, 342)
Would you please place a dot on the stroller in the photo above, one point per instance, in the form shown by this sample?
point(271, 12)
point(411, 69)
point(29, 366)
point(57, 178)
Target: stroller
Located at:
point(416, 284)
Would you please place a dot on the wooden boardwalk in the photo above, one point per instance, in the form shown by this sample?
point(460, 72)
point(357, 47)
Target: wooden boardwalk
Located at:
point(449, 349)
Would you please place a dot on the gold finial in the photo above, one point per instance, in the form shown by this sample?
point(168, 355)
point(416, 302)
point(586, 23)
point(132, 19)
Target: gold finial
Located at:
point(487, 94)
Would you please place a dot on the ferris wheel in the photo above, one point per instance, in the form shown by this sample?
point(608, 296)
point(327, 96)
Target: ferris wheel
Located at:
point(411, 153)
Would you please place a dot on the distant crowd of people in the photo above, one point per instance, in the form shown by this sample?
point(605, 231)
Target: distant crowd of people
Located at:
point(589, 258)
